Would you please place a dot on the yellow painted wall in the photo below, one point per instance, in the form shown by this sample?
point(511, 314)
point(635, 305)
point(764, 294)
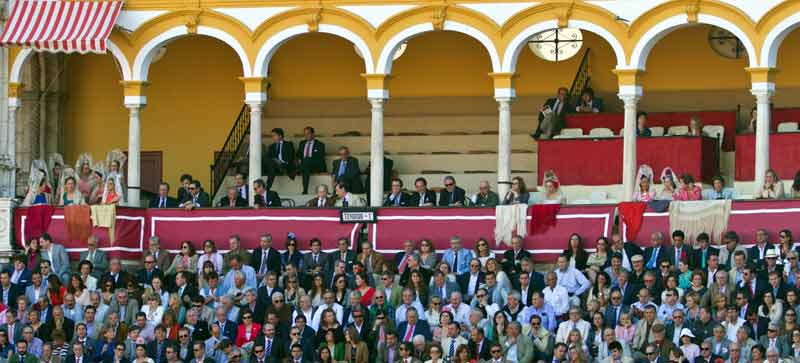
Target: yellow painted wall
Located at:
point(684, 60)
point(193, 99)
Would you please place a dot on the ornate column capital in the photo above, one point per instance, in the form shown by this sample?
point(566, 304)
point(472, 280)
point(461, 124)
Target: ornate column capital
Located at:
point(134, 93)
point(377, 85)
point(255, 90)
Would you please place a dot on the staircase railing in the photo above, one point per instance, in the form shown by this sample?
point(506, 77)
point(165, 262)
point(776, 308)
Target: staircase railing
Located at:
point(225, 158)
point(582, 78)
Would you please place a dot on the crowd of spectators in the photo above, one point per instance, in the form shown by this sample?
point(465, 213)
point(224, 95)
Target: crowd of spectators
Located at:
point(671, 301)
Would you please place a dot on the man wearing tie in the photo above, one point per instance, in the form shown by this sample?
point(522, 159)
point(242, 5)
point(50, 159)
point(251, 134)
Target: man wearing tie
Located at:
point(77, 355)
point(322, 200)
point(265, 198)
point(677, 252)
point(280, 157)
point(346, 171)
point(232, 199)
point(265, 258)
point(345, 199)
point(96, 257)
point(652, 254)
point(397, 198)
point(57, 255)
point(163, 200)
point(311, 153)
point(422, 197)
point(413, 326)
point(196, 198)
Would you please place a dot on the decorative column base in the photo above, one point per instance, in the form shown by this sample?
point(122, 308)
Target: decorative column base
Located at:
point(7, 244)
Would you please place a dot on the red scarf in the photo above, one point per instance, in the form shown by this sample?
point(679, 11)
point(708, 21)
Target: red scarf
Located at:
point(632, 214)
point(543, 216)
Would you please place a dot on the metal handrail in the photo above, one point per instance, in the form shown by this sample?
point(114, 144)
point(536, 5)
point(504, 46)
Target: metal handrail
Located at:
point(224, 160)
point(582, 78)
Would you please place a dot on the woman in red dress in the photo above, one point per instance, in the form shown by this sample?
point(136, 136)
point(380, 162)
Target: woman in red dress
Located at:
point(363, 287)
point(248, 330)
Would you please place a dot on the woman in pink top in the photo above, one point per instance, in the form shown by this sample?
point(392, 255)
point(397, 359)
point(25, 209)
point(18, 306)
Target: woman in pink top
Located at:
point(625, 329)
point(688, 190)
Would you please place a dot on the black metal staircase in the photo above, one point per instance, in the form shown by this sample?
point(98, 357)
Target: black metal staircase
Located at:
point(582, 78)
point(232, 151)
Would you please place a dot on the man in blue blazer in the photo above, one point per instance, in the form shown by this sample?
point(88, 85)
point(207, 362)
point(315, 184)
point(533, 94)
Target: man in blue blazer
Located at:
point(57, 255)
point(20, 275)
point(413, 326)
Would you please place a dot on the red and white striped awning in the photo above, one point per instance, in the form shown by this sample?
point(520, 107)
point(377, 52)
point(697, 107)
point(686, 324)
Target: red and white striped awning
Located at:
point(61, 26)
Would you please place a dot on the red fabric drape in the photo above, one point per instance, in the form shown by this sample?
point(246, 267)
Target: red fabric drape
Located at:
point(632, 214)
point(78, 221)
point(543, 216)
point(39, 217)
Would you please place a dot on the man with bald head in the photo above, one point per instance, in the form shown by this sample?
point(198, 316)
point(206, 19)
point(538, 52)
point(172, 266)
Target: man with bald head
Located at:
point(485, 196)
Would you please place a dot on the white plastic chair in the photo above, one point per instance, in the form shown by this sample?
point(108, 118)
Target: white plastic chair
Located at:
point(601, 132)
point(598, 197)
point(717, 131)
point(576, 132)
point(657, 131)
point(678, 130)
point(788, 127)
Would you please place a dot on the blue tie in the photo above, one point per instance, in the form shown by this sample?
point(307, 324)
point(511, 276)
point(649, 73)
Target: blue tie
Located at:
point(342, 166)
point(652, 263)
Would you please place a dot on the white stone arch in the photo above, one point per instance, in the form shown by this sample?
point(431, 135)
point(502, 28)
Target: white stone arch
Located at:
point(272, 45)
point(516, 45)
point(386, 58)
point(141, 64)
point(19, 61)
point(643, 47)
point(774, 39)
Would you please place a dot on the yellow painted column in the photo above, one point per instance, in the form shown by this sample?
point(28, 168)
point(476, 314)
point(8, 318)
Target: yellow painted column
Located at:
point(134, 99)
point(255, 89)
point(630, 91)
point(377, 93)
point(763, 87)
point(504, 94)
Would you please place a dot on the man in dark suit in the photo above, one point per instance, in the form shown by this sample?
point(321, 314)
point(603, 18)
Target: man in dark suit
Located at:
point(342, 253)
point(232, 199)
point(751, 286)
point(200, 356)
point(413, 326)
point(700, 255)
point(163, 200)
point(150, 270)
point(58, 319)
point(512, 257)
point(269, 339)
point(185, 291)
point(478, 344)
point(12, 327)
point(270, 287)
point(451, 195)
point(77, 354)
point(757, 253)
point(20, 275)
point(227, 328)
point(757, 324)
point(311, 156)
point(197, 198)
point(240, 183)
point(470, 281)
point(589, 103)
point(655, 253)
point(423, 197)
point(264, 197)
point(616, 308)
point(265, 258)
point(346, 171)
point(8, 291)
point(706, 354)
point(397, 198)
point(279, 158)
point(156, 348)
point(315, 261)
point(559, 106)
point(678, 252)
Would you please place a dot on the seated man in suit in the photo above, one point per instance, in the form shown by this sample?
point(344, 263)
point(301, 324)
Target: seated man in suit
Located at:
point(551, 115)
point(96, 256)
point(279, 158)
point(397, 198)
point(264, 197)
point(345, 199)
point(451, 195)
point(422, 197)
point(310, 156)
point(589, 103)
point(323, 199)
point(196, 198)
point(163, 200)
point(232, 199)
point(345, 170)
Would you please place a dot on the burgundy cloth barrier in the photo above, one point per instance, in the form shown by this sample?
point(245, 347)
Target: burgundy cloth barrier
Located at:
point(588, 161)
point(616, 121)
point(175, 225)
point(784, 155)
point(135, 226)
point(395, 225)
point(131, 233)
point(746, 217)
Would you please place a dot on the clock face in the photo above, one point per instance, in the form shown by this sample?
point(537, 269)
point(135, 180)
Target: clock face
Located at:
point(556, 44)
point(725, 43)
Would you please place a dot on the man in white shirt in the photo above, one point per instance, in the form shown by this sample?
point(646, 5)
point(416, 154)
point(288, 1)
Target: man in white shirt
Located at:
point(574, 322)
point(732, 323)
point(572, 280)
point(408, 301)
point(669, 305)
point(555, 295)
point(329, 302)
point(459, 310)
